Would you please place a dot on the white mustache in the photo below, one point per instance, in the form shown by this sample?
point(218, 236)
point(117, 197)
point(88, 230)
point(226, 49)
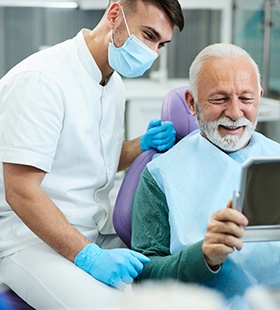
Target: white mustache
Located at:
point(226, 122)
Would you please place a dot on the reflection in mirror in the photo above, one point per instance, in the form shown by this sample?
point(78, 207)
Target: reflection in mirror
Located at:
point(262, 194)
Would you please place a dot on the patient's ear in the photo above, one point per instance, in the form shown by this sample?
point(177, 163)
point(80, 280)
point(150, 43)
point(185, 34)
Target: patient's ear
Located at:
point(190, 101)
point(261, 93)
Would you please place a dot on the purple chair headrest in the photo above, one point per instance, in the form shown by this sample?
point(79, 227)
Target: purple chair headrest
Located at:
point(175, 109)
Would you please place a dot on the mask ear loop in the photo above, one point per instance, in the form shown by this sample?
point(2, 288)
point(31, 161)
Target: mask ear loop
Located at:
point(126, 25)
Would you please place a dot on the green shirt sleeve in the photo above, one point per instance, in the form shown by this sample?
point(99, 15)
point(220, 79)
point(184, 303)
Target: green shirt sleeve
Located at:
point(151, 236)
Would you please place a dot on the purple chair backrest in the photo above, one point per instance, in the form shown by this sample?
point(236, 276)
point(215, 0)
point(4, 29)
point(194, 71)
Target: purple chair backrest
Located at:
point(10, 301)
point(176, 110)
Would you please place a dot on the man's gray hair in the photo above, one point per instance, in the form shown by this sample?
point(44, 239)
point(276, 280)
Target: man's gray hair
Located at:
point(219, 50)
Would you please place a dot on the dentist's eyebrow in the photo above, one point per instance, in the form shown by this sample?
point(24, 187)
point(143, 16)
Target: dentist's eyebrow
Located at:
point(156, 34)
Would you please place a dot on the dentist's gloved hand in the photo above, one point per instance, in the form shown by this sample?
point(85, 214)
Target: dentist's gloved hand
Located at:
point(160, 135)
point(116, 267)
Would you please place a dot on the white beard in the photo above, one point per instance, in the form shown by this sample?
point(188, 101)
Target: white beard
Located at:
point(228, 143)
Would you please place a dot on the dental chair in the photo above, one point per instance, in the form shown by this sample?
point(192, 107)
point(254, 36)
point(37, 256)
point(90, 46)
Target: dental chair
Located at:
point(11, 301)
point(174, 109)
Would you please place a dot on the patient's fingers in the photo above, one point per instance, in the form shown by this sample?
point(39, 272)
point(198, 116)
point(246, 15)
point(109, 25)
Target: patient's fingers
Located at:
point(230, 215)
point(223, 235)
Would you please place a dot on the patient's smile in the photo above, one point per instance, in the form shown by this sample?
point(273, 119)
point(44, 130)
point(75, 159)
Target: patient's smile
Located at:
point(230, 129)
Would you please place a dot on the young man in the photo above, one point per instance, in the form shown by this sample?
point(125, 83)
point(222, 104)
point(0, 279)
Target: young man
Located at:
point(61, 143)
point(179, 217)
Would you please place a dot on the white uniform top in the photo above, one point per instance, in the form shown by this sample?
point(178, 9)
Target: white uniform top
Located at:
point(55, 116)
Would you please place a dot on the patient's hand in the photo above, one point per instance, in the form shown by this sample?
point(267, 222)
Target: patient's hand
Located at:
point(223, 235)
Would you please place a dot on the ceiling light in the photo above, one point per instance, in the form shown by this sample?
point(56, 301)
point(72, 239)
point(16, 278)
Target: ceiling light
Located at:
point(39, 3)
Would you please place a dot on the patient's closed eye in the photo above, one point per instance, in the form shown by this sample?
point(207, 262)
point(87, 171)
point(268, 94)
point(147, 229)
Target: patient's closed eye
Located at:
point(219, 100)
point(247, 100)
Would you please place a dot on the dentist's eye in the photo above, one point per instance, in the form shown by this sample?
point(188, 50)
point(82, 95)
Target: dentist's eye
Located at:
point(149, 36)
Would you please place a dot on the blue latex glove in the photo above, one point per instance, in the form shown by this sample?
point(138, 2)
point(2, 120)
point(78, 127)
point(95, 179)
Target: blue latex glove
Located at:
point(160, 136)
point(116, 267)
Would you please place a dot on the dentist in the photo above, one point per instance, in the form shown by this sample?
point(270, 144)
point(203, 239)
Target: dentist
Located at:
point(61, 144)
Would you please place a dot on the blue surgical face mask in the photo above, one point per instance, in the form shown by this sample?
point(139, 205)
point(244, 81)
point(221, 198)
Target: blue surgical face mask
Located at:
point(132, 59)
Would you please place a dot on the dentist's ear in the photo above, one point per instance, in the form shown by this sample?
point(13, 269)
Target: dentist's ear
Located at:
point(190, 101)
point(113, 11)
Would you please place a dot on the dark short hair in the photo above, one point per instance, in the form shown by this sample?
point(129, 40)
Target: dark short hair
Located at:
point(171, 7)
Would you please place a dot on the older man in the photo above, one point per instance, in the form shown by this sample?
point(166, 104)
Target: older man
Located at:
point(182, 217)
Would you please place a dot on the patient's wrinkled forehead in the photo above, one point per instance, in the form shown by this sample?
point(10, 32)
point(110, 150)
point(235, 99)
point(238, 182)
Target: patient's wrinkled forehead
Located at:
point(228, 72)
